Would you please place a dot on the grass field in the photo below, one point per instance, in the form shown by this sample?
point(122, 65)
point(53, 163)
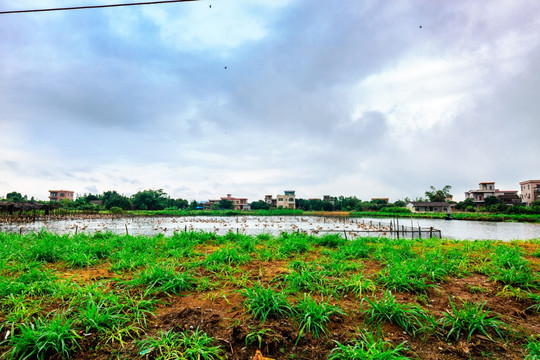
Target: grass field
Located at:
point(197, 295)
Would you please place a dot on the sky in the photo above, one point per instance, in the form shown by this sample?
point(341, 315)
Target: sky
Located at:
point(254, 97)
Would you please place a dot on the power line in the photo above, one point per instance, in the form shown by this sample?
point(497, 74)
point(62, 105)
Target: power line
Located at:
point(93, 6)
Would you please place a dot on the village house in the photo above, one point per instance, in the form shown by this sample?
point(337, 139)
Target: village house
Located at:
point(486, 189)
point(427, 206)
point(238, 203)
point(287, 201)
point(59, 195)
point(530, 191)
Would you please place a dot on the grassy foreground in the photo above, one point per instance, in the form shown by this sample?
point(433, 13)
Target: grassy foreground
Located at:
point(197, 295)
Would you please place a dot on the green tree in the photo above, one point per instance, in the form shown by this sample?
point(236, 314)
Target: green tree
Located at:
point(16, 197)
point(150, 200)
point(260, 205)
point(439, 195)
point(225, 204)
point(491, 200)
point(180, 203)
point(193, 205)
point(113, 198)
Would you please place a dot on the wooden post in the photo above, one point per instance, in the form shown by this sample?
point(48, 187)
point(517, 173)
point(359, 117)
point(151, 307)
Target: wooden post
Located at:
point(419, 232)
point(431, 232)
point(127, 233)
point(76, 229)
point(345, 233)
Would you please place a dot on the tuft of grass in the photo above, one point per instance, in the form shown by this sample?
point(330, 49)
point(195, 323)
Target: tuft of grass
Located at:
point(194, 345)
point(367, 347)
point(97, 314)
point(44, 339)
point(471, 319)
point(533, 350)
point(265, 302)
point(166, 280)
point(257, 336)
point(358, 284)
point(411, 317)
point(314, 316)
point(228, 255)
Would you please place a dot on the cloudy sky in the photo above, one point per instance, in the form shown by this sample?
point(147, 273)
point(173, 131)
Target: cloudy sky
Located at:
point(253, 97)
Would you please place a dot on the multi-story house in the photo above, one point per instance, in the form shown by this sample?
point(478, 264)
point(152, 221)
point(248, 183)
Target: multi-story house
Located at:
point(59, 195)
point(238, 203)
point(487, 188)
point(530, 191)
point(287, 201)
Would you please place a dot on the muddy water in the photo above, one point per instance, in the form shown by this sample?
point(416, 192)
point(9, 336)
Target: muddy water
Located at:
point(453, 229)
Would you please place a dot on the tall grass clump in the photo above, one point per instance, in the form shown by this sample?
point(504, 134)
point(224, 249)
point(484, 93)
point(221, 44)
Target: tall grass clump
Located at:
point(368, 347)
point(403, 276)
point(355, 249)
point(293, 243)
point(228, 255)
point(101, 312)
point(314, 316)
point(471, 319)
point(163, 279)
point(33, 281)
point(412, 318)
point(332, 241)
point(263, 303)
point(44, 339)
point(509, 267)
point(194, 345)
point(45, 247)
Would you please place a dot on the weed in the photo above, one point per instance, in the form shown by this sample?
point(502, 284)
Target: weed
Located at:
point(536, 301)
point(403, 276)
point(332, 241)
point(98, 314)
point(367, 347)
point(294, 243)
point(471, 319)
point(44, 339)
point(358, 284)
point(226, 256)
point(412, 318)
point(257, 336)
point(197, 345)
point(160, 279)
point(509, 291)
point(533, 350)
point(265, 302)
point(314, 316)
point(473, 289)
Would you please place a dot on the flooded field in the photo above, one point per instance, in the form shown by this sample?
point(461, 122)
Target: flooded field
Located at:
point(351, 227)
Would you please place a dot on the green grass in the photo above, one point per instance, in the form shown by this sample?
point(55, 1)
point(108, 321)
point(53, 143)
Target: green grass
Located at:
point(470, 319)
point(162, 279)
point(367, 347)
point(411, 317)
point(263, 303)
point(105, 293)
point(313, 316)
point(183, 345)
point(43, 339)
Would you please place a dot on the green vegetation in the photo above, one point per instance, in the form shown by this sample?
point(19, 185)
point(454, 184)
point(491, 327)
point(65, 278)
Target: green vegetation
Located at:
point(199, 295)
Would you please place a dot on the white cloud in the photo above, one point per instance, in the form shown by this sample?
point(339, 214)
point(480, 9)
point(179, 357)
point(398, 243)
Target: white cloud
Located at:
point(196, 26)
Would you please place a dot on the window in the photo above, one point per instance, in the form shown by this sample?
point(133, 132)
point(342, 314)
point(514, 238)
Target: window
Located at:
point(62, 194)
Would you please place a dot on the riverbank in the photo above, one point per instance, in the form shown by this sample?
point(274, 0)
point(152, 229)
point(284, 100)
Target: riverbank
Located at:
point(61, 214)
point(290, 296)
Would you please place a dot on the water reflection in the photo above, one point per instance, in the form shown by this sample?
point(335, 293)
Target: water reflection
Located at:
point(454, 229)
